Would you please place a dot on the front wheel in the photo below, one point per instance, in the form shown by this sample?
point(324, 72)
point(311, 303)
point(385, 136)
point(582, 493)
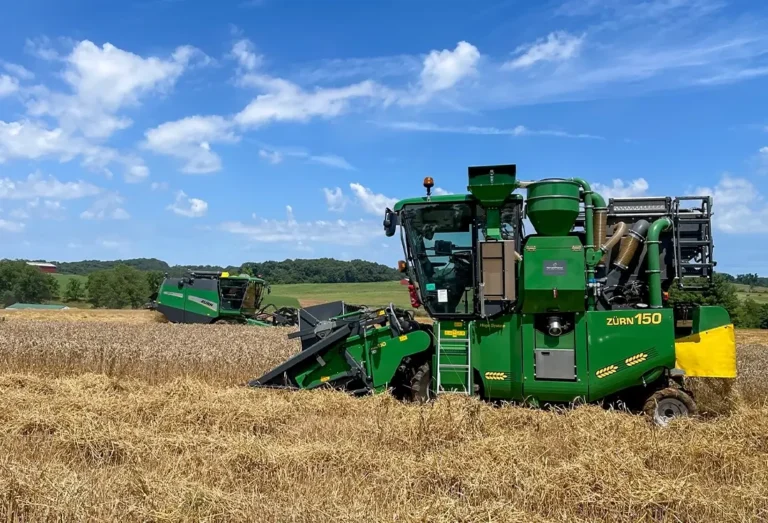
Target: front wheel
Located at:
point(420, 383)
point(667, 404)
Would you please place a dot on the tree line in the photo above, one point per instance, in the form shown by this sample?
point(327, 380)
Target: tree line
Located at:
point(747, 314)
point(319, 270)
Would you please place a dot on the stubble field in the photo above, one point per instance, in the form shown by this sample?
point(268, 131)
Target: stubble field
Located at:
point(115, 421)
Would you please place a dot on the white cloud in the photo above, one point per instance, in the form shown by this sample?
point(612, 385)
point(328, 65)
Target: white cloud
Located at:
point(18, 71)
point(38, 186)
point(733, 76)
point(189, 140)
point(444, 69)
point(114, 244)
point(136, 171)
point(371, 202)
point(107, 207)
point(292, 231)
point(188, 207)
point(10, 226)
point(519, 130)
point(273, 157)
point(104, 80)
point(335, 199)
point(159, 186)
point(331, 160)
point(19, 214)
point(243, 51)
point(8, 85)
point(558, 46)
point(739, 208)
point(437, 191)
point(621, 189)
point(286, 101)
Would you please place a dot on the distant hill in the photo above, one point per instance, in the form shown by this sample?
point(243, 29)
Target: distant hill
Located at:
point(320, 270)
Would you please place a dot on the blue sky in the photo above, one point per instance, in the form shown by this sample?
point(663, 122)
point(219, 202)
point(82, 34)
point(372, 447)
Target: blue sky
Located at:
point(223, 132)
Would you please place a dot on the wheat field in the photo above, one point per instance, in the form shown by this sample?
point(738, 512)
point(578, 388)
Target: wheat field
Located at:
point(111, 421)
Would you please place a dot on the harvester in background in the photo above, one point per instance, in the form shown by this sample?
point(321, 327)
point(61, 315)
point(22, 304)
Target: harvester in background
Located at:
point(219, 297)
point(575, 311)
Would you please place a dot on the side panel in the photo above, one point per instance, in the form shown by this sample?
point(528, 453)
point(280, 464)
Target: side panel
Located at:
point(555, 390)
point(170, 300)
point(199, 302)
point(625, 345)
point(387, 352)
point(496, 356)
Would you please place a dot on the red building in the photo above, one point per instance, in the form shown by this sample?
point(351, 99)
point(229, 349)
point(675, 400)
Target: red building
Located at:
point(43, 266)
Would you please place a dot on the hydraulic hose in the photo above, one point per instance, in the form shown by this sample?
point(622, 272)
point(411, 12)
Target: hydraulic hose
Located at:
point(654, 271)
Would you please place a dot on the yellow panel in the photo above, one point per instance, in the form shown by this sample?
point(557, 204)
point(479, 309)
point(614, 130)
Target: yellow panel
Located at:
point(708, 354)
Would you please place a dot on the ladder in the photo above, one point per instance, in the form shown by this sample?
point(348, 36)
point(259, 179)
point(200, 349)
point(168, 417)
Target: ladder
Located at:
point(454, 355)
point(694, 266)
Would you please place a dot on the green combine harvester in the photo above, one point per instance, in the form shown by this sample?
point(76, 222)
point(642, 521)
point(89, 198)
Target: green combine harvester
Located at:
point(218, 297)
point(575, 311)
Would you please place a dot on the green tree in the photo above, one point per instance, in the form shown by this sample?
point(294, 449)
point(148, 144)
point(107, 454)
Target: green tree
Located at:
point(74, 290)
point(118, 288)
point(25, 283)
point(154, 279)
point(722, 293)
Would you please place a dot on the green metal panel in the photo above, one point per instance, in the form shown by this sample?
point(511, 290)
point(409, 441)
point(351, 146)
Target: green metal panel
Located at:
point(171, 295)
point(708, 317)
point(388, 352)
point(202, 302)
point(558, 391)
point(626, 345)
point(497, 357)
point(553, 275)
point(553, 206)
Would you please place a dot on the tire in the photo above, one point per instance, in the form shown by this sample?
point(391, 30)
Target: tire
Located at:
point(420, 383)
point(667, 404)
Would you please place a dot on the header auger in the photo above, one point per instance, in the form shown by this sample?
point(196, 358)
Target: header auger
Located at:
point(575, 310)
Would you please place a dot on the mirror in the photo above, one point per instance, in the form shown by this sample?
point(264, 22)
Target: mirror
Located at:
point(390, 222)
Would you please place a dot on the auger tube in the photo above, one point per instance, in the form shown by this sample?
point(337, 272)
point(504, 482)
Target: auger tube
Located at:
point(654, 272)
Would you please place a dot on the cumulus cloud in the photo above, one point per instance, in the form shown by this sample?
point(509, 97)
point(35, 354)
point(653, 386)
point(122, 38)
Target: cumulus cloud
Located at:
point(371, 202)
point(107, 207)
point(621, 189)
point(244, 52)
point(335, 199)
point(188, 207)
point(8, 85)
point(739, 207)
point(36, 185)
point(190, 139)
point(11, 226)
point(444, 69)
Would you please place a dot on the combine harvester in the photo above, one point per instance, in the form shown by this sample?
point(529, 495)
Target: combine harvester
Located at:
point(576, 311)
point(218, 297)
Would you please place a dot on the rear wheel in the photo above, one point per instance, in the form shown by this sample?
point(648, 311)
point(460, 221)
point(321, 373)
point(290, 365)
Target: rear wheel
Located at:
point(667, 404)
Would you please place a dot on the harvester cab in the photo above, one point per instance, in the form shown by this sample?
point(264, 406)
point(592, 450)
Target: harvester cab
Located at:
point(575, 310)
point(219, 297)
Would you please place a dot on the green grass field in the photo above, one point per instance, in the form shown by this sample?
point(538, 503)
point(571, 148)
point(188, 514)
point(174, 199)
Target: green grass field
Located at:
point(758, 294)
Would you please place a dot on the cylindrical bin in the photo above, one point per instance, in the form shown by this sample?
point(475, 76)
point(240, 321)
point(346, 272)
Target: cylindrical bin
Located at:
point(553, 206)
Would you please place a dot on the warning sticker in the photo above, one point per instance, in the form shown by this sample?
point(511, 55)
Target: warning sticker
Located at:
point(442, 295)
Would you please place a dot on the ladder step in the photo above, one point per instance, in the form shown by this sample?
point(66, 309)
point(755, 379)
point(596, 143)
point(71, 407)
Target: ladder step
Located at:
point(453, 366)
point(694, 242)
point(451, 340)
